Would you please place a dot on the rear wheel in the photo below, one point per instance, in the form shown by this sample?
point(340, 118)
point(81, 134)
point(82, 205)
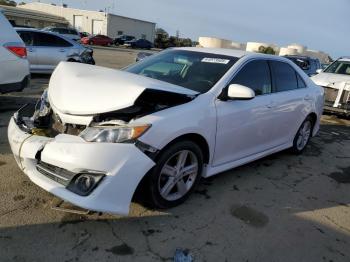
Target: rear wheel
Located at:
point(91, 43)
point(303, 136)
point(176, 174)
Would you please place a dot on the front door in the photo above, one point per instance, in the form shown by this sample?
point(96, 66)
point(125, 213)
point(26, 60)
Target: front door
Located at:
point(244, 126)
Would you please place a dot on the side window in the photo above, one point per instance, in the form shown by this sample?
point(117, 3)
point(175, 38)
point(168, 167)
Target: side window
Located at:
point(284, 76)
point(27, 38)
point(48, 40)
point(256, 75)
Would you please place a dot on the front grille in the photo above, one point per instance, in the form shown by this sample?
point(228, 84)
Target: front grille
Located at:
point(330, 94)
point(55, 173)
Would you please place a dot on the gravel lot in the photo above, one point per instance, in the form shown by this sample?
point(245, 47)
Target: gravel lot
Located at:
point(281, 208)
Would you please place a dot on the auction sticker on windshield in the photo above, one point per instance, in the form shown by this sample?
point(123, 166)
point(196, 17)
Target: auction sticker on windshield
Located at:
point(215, 60)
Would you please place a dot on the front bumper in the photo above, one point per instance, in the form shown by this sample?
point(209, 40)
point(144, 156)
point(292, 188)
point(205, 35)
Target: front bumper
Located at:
point(123, 164)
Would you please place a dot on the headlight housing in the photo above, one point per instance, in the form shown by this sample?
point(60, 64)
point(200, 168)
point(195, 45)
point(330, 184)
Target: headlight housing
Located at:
point(113, 134)
point(42, 107)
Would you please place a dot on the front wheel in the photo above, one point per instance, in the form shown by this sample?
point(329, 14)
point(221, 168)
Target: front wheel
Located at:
point(176, 174)
point(303, 136)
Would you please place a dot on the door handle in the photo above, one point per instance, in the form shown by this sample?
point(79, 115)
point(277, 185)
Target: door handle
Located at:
point(62, 50)
point(307, 98)
point(271, 105)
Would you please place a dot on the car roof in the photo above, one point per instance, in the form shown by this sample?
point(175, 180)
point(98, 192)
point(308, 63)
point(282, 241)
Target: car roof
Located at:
point(345, 59)
point(232, 52)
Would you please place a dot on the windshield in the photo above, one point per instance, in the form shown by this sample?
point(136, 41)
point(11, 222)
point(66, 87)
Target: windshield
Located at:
point(193, 70)
point(339, 67)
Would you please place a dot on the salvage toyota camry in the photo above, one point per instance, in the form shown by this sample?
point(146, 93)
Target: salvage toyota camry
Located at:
point(97, 134)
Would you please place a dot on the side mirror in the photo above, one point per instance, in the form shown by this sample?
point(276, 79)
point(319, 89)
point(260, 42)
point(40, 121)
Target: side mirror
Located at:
point(239, 92)
point(319, 71)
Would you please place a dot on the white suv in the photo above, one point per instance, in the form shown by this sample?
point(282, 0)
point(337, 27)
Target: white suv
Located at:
point(335, 80)
point(14, 73)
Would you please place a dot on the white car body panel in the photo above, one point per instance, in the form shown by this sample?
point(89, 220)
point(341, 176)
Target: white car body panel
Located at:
point(236, 132)
point(104, 90)
point(13, 68)
point(328, 79)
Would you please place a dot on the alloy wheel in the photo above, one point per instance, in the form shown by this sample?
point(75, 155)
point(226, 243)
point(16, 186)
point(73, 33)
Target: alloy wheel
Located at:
point(303, 135)
point(178, 175)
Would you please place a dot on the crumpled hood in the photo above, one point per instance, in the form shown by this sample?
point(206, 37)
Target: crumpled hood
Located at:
point(81, 89)
point(328, 79)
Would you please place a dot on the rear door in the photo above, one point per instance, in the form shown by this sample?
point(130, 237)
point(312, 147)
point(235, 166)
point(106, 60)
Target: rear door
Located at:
point(291, 101)
point(50, 50)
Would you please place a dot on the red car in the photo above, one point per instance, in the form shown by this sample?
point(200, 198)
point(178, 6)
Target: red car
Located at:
point(97, 40)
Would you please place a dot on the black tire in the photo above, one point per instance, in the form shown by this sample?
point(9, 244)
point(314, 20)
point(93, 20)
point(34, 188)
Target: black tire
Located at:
point(91, 43)
point(156, 200)
point(297, 147)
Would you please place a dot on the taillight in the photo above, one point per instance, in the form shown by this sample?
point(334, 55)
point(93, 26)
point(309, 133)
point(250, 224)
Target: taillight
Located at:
point(19, 51)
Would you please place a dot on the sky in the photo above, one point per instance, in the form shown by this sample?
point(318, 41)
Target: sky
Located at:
point(318, 24)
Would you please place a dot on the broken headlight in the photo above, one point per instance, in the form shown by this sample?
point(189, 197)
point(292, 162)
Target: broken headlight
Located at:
point(114, 134)
point(42, 108)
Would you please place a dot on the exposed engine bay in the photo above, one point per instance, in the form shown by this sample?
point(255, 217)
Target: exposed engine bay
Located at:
point(40, 119)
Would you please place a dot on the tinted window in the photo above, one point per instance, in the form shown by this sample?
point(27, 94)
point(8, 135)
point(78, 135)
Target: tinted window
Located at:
point(42, 39)
point(284, 75)
point(27, 38)
point(339, 67)
point(256, 75)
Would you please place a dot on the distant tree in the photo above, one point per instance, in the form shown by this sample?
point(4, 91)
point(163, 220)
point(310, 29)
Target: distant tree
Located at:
point(266, 50)
point(161, 40)
point(8, 2)
point(21, 3)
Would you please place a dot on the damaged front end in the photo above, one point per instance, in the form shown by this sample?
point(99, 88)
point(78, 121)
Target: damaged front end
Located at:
point(40, 118)
point(337, 98)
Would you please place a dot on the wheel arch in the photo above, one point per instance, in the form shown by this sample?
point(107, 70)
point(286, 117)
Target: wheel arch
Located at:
point(139, 194)
point(196, 138)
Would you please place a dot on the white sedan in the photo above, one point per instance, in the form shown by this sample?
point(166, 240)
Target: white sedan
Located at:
point(98, 134)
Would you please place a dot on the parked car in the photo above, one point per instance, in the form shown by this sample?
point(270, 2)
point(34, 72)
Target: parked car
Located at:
point(83, 34)
point(14, 66)
point(120, 40)
point(141, 43)
point(46, 50)
point(97, 40)
point(335, 80)
point(70, 33)
point(161, 124)
point(142, 55)
point(308, 64)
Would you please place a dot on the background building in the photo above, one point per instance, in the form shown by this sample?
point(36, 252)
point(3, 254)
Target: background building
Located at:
point(95, 22)
point(23, 17)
